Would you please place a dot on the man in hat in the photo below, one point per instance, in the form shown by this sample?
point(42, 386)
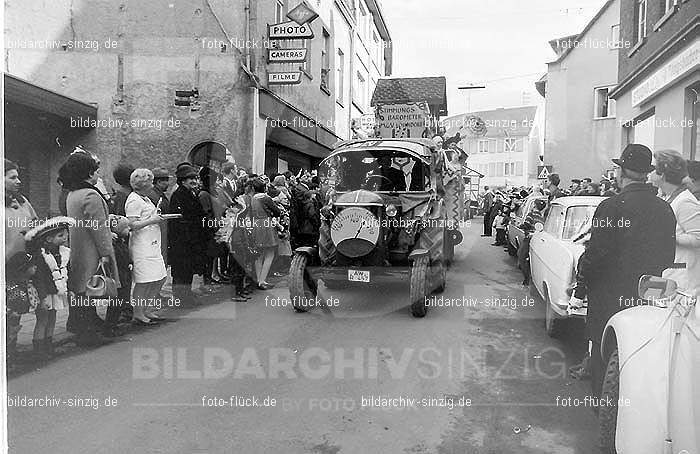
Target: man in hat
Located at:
point(161, 182)
point(632, 233)
point(574, 186)
point(187, 236)
point(553, 181)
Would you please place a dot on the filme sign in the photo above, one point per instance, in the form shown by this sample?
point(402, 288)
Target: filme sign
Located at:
point(286, 55)
point(284, 78)
point(290, 30)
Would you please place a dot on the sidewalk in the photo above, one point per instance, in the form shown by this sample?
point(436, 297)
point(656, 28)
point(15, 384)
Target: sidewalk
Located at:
point(24, 339)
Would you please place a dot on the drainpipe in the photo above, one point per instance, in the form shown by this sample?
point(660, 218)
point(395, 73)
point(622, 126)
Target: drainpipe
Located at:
point(255, 163)
point(352, 74)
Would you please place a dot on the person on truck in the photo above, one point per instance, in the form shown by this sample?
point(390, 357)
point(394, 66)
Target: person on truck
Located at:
point(391, 178)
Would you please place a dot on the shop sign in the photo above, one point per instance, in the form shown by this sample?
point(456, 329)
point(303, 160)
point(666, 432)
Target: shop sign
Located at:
point(302, 13)
point(286, 55)
point(290, 30)
point(284, 78)
point(681, 64)
point(403, 120)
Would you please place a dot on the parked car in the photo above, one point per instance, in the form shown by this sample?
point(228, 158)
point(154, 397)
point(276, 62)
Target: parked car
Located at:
point(515, 233)
point(554, 257)
point(652, 381)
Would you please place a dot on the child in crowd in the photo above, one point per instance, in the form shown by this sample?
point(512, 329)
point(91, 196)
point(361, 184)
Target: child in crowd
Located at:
point(20, 297)
point(50, 254)
point(500, 222)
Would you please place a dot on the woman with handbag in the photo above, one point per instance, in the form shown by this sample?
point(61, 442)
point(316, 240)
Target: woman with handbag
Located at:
point(144, 244)
point(90, 241)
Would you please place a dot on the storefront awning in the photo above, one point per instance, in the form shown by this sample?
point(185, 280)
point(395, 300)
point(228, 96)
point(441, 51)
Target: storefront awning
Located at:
point(19, 91)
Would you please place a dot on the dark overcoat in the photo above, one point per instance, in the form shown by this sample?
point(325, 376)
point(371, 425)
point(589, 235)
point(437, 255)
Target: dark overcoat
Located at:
point(633, 233)
point(187, 237)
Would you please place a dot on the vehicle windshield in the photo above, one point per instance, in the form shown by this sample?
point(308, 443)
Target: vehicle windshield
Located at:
point(576, 219)
point(375, 170)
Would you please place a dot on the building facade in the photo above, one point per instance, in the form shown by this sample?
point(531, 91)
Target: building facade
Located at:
point(507, 154)
point(581, 131)
point(658, 94)
point(125, 65)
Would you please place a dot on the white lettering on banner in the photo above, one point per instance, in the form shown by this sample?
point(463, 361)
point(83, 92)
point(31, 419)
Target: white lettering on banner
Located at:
point(402, 120)
point(683, 63)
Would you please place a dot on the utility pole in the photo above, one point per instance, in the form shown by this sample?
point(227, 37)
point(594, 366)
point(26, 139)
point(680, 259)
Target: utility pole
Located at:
point(469, 97)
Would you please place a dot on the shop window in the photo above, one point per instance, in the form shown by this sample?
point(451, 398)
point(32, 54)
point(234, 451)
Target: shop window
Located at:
point(604, 105)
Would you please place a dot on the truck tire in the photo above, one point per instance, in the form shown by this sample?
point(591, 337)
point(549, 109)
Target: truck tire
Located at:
point(439, 277)
point(301, 285)
point(419, 286)
point(607, 415)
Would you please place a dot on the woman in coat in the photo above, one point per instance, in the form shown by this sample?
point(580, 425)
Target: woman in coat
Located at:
point(187, 236)
point(671, 168)
point(90, 241)
point(20, 216)
point(263, 210)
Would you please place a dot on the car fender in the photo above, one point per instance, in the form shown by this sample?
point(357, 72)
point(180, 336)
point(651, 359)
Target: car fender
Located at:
point(417, 253)
point(311, 251)
point(642, 336)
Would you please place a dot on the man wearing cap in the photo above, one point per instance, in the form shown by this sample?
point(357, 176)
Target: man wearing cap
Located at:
point(632, 233)
point(187, 236)
point(574, 186)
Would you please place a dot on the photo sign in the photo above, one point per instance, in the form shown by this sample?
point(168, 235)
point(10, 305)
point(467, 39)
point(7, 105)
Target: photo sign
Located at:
point(289, 30)
point(403, 120)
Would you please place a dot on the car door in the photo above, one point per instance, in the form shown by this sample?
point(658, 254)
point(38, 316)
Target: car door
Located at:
point(543, 247)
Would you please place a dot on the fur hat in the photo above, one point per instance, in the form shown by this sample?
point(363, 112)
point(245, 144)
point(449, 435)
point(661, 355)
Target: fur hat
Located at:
point(45, 227)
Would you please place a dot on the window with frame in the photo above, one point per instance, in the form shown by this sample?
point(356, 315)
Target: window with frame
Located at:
point(615, 36)
point(553, 223)
point(509, 144)
point(325, 61)
point(377, 43)
point(519, 168)
point(509, 169)
point(604, 105)
point(483, 146)
point(362, 21)
point(499, 169)
point(339, 75)
point(641, 19)
point(360, 90)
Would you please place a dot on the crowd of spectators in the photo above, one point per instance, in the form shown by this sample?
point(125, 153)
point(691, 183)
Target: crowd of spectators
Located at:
point(224, 223)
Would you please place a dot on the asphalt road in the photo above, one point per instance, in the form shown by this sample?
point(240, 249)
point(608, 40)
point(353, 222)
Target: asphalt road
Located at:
point(485, 378)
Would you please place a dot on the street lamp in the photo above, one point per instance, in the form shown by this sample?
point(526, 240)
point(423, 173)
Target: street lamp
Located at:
point(469, 98)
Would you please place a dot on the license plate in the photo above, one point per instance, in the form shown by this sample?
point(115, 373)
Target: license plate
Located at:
point(358, 276)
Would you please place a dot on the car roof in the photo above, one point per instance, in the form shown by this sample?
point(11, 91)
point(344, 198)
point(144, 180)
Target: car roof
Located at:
point(421, 147)
point(574, 200)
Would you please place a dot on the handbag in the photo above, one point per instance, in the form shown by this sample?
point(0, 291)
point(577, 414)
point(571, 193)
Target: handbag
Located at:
point(100, 284)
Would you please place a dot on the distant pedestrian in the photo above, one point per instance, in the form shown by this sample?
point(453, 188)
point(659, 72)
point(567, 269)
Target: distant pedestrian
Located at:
point(263, 212)
point(486, 203)
point(553, 187)
point(121, 174)
point(632, 234)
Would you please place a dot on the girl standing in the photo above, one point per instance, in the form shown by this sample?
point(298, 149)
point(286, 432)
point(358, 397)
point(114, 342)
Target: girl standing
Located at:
point(47, 242)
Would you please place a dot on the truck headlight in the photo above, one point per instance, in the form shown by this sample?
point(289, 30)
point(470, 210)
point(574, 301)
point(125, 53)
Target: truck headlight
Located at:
point(391, 210)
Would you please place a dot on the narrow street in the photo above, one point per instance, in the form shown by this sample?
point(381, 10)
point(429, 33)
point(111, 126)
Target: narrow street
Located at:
point(171, 386)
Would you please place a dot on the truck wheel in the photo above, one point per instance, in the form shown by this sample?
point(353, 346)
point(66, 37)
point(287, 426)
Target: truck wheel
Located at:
point(419, 286)
point(439, 277)
point(301, 285)
point(552, 324)
point(607, 415)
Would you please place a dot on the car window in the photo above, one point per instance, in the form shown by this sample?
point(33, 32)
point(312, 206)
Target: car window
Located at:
point(576, 217)
point(552, 224)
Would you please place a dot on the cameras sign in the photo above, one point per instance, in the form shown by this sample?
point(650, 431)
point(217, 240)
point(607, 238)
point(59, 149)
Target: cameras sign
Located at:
point(286, 55)
point(290, 30)
point(403, 120)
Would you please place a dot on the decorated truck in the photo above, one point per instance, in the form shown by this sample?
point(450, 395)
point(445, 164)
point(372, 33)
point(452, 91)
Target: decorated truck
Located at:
point(386, 218)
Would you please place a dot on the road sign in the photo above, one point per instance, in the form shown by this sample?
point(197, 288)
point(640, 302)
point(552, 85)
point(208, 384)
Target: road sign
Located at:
point(284, 78)
point(289, 30)
point(302, 13)
point(286, 55)
point(543, 172)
